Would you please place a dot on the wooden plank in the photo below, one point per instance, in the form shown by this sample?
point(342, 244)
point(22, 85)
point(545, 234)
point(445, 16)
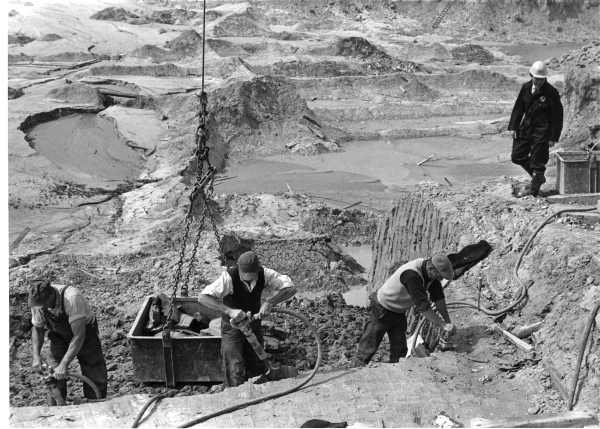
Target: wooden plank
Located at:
point(523, 345)
point(570, 419)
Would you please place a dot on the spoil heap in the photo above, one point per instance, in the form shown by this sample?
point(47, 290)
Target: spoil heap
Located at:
point(581, 100)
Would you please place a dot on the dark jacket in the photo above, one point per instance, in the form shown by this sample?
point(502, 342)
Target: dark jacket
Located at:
point(540, 110)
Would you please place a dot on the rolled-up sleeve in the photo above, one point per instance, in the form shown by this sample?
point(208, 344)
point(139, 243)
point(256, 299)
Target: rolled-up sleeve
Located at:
point(416, 289)
point(221, 287)
point(37, 317)
point(275, 282)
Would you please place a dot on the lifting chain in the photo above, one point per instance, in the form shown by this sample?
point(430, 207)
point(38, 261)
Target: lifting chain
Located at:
point(201, 195)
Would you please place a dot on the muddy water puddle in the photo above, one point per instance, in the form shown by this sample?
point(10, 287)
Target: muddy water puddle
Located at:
point(530, 52)
point(87, 146)
point(394, 162)
point(357, 295)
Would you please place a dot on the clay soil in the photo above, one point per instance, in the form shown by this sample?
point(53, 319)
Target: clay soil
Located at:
point(321, 116)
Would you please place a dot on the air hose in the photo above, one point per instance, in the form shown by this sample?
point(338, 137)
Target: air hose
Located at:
point(272, 395)
point(87, 381)
point(256, 400)
point(522, 293)
point(584, 340)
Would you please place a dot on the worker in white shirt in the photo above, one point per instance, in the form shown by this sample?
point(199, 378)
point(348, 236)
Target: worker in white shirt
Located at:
point(237, 292)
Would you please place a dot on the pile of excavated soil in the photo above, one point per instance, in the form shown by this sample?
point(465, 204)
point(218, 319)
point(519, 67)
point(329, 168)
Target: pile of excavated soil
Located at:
point(77, 93)
point(374, 59)
point(586, 56)
point(114, 14)
point(244, 24)
point(225, 48)
point(50, 37)
point(19, 39)
point(14, 93)
point(472, 54)
point(299, 68)
point(261, 116)
point(172, 16)
point(581, 100)
point(187, 44)
point(480, 80)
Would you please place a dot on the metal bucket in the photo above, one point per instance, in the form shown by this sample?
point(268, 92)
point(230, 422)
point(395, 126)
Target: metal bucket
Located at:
point(578, 172)
point(195, 359)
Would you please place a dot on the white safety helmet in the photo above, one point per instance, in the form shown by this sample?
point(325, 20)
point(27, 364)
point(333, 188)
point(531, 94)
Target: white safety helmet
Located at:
point(538, 69)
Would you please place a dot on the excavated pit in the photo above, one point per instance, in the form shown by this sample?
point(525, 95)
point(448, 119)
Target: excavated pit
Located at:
point(86, 145)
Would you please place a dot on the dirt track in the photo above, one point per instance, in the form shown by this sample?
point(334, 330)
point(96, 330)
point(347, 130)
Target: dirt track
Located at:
point(313, 107)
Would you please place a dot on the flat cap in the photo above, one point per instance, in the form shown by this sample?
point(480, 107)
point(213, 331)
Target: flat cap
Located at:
point(248, 262)
point(443, 265)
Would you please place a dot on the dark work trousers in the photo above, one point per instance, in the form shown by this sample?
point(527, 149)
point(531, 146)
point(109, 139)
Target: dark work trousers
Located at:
point(240, 362)
point(531, 149)
point(383, 321)
point(90, 357)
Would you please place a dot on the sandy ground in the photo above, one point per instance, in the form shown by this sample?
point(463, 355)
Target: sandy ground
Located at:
point(98, 177)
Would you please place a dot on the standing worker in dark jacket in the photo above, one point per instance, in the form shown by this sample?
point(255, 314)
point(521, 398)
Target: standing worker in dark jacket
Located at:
point(536, 123)
point(240, 289)
point(72, 331)
point(416, 283)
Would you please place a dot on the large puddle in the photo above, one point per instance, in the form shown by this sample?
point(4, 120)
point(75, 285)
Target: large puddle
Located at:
point(86, 146)
point(530, 52)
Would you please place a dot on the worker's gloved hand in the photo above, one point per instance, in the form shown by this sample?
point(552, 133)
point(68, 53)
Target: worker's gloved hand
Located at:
point(265, 309)
point(513, 134)
point(237, 315)
point(60, 372)
point(448, 330)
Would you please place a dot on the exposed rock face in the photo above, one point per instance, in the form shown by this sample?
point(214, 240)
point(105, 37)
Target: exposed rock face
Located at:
point(581, 102)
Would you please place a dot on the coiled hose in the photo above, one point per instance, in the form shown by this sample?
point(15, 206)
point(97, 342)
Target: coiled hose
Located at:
point(256, 400)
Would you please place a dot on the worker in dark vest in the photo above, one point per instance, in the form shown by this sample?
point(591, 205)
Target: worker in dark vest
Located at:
point(536, 123)
point(416, 283)
point(236, 294)
point(72, 331)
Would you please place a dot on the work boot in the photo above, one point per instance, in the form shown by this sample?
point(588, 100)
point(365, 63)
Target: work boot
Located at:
point(537, 181)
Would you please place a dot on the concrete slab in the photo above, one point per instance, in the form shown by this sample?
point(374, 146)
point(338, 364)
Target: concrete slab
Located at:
point(406, 394)
point(581, 199)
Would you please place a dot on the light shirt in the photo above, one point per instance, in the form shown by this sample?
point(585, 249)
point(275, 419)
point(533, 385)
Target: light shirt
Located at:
point(76, 307)
point(223, 286)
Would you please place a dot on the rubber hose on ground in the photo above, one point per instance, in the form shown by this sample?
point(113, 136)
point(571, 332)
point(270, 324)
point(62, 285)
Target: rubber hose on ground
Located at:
point(273, 395)
point(87, 381)
point(152, 400)
point(584, 340)
point(522, 294)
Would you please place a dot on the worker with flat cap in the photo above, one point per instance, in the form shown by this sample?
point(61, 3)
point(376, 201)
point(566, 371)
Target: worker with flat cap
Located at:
point(416, 283)
point(72, 330)
point(237, 294)
point(536, 123)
